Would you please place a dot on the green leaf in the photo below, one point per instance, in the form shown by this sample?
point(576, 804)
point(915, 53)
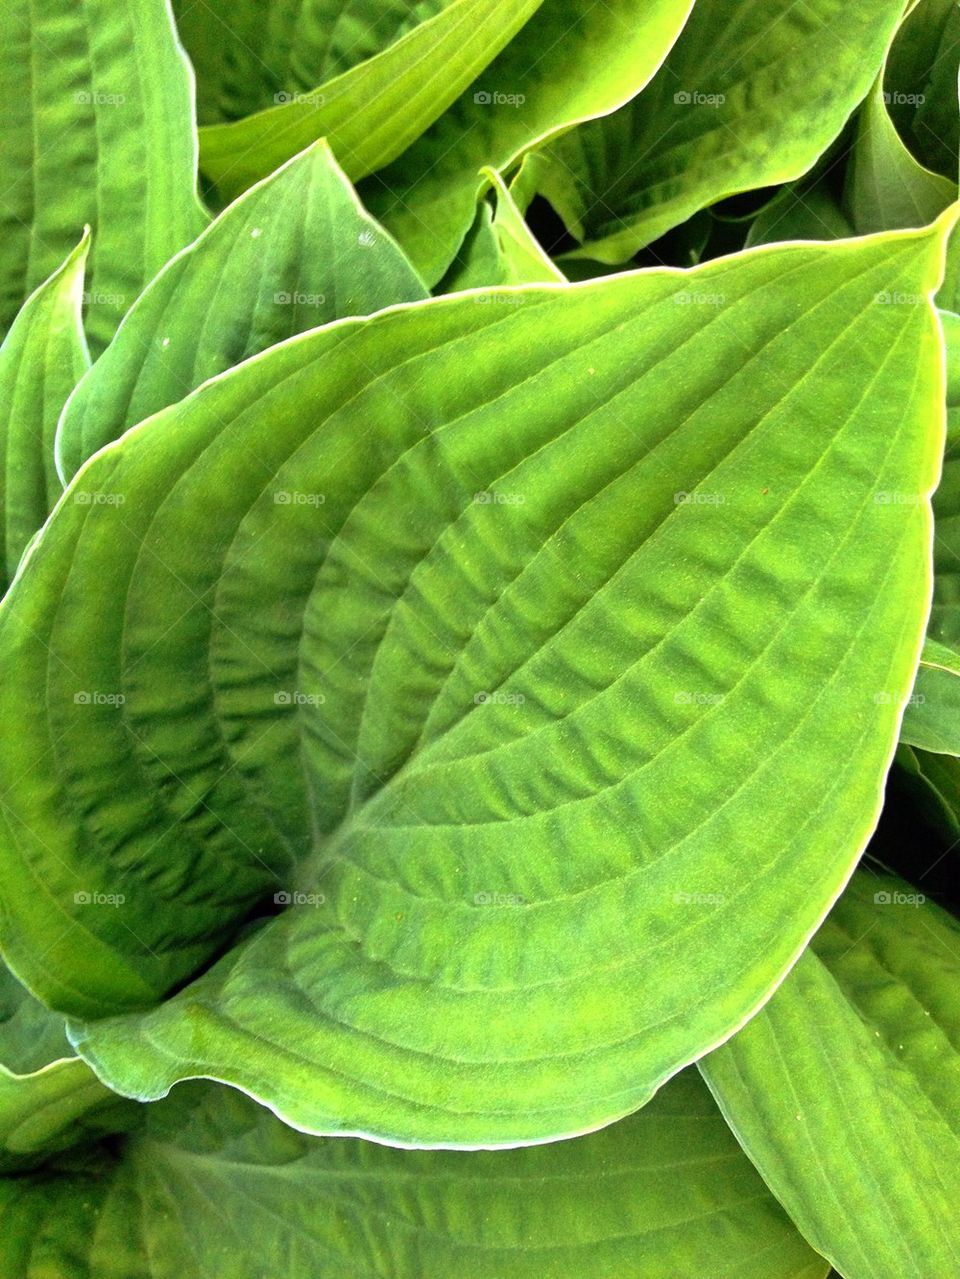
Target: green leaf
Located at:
point(947, 607)
point(932, 711)
point(931, 719)
point(801, 212)
point(500, 248)
point(98, 129)
point(49, 1099)
point(948, 299)
point(921, 83)
point(751, 95)
point(845, 1089)
point(215, 1186)
point(886, 187)
point(951, 337)
point(375, 549)
point(251, 53)
point(293, 253)
point(573, 61)
point(376, 109)
point(932, 781)
point(41, 360)
point(30, 1035)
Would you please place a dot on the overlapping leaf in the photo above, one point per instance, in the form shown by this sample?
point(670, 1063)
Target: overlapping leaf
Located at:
point(576, 60)
point(845, 1089)
point(933, 778)
point(499, 248)
point(41, 360)
point(49, 1099)
point(250, 55)
point(886, 187)
point(931, 718)
point(932, 710)
point(98, 128)
point(665, 1192)
point(751, 95)
point(801, 211)
point(295, 252)
point(921, 83)
point(376, 109)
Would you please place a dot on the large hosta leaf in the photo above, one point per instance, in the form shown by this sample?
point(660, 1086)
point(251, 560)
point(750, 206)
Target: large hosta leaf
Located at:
point(49, 1099)
point(751, 95)
point(215, 1187)
point(294, 253)
point(845, 1089)
point(375, 110)
point(573, 61)
point(98, 128)
point(41, 360)
point(500, 571)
